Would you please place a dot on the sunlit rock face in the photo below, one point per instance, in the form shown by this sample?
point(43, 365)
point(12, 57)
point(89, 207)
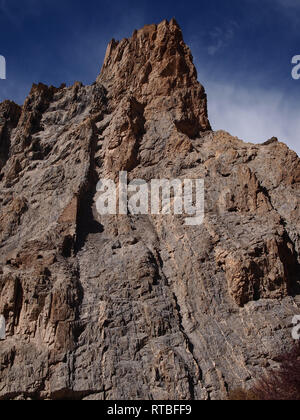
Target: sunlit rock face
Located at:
point(140, 307)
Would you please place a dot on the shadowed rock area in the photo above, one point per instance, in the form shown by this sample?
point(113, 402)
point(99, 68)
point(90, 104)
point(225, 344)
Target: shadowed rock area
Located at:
point(141, 307)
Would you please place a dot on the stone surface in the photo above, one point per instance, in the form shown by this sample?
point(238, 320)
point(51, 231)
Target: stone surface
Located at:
point(140, 307)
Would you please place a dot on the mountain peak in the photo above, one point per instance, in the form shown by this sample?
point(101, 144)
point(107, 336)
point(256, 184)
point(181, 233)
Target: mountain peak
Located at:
point(156, 63)
point(135, 304)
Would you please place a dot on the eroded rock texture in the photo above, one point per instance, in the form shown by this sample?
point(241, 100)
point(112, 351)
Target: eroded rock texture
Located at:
point(140, 307)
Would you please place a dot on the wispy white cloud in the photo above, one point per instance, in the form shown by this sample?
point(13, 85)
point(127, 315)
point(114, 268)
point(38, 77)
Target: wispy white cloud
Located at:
point(221, 37)
point(254, 115)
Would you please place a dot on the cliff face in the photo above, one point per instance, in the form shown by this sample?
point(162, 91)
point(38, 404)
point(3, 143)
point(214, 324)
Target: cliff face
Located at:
point(140, 307)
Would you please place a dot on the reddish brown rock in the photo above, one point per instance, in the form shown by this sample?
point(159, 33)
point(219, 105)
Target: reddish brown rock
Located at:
point(140, 307)
point(9, 117)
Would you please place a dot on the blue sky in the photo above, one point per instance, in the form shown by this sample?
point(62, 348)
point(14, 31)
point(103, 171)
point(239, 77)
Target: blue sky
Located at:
point(242, 50)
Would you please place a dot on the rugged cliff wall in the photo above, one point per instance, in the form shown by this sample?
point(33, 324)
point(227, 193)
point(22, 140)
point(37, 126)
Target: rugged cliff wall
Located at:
point(140, 307)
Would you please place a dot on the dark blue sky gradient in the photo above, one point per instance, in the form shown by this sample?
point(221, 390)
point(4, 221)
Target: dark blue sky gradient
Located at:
point(242, 50)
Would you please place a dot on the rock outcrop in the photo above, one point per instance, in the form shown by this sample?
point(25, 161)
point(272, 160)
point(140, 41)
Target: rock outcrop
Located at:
point(140, 307)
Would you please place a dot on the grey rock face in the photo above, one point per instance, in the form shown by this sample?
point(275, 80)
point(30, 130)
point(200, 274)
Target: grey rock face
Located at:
point(140, 307)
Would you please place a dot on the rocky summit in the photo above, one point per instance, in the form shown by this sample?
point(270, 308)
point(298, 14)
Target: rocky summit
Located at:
point(115, 307)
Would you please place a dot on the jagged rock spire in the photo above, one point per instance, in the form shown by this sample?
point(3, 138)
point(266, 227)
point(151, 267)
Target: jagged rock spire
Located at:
point(155, 63)
point(125, 307)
